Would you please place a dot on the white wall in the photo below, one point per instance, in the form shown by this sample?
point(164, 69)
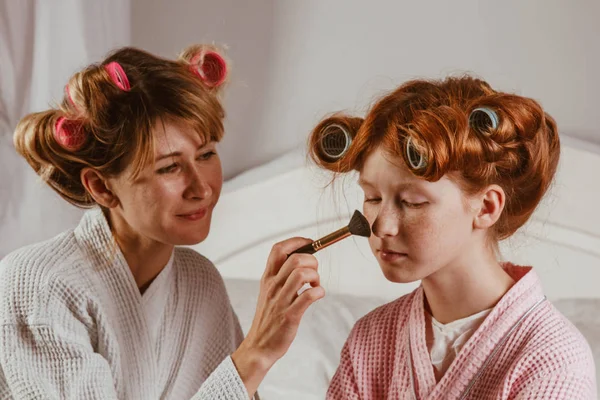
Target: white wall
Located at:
point(297, 60)
point(246, 27)
point(41, 45)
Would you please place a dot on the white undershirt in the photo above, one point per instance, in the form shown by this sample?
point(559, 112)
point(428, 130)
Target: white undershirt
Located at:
point(155, 299)
point(444, 341)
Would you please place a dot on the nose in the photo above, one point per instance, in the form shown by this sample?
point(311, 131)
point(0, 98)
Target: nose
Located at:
point(198, 187)
point(386, 223)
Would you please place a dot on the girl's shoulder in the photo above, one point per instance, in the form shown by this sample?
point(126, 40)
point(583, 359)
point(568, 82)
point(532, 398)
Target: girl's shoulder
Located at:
point(551, 337)
point(384, 321)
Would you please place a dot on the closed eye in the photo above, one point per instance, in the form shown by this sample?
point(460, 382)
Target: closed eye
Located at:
point(413, 205)
point(168, 169)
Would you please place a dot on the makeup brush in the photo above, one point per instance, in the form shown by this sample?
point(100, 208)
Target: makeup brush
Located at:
point(358, 225)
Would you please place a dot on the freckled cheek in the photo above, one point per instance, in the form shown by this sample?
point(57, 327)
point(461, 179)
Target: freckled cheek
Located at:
point(419, 232)
point(164, 196)
point(214, 179)
point(216, 184)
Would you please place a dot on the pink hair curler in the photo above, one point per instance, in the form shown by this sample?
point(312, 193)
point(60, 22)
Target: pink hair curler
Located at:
point(210, 67)
point(69, 97)
point(117, 75)
point(69, 134)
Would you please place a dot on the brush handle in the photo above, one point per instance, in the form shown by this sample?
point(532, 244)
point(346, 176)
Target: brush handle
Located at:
point(306, 249)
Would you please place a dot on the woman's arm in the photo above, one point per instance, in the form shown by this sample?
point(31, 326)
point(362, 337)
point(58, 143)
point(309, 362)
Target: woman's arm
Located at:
point(279, 310)
point(53, 354)
point(42, 362)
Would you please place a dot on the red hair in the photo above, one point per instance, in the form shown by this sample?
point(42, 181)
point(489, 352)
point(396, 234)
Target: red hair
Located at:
point(432, 117)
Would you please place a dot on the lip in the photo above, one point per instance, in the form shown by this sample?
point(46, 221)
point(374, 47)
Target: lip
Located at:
point(194, 215)
point(388, 255)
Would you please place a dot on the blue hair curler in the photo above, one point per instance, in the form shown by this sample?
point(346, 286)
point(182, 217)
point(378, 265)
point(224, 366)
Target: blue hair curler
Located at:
point(415, 158)
point(335, 141)
point(484, 120)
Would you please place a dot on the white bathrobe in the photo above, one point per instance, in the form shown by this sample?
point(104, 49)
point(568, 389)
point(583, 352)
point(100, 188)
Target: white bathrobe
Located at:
point(75, 326)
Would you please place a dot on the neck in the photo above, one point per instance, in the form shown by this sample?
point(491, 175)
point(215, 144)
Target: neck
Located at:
point(145, 257)
point(471, 284)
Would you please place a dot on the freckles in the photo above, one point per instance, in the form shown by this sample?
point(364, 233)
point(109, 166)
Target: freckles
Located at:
point(420, 228)
point(172, 189)
point(217, 172)
point(168, 185)
point(149, 195)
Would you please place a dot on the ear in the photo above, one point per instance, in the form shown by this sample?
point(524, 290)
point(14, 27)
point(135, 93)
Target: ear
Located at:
point(491, 204)
point(99, 188)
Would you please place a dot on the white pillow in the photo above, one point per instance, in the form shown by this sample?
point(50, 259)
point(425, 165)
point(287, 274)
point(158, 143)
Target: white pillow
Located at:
point(305, 371)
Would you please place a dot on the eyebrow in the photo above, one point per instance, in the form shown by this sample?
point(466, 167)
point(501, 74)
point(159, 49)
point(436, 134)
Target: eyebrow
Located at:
point(178, 153)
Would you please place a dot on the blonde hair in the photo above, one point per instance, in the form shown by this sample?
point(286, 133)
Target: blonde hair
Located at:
point(113, 122)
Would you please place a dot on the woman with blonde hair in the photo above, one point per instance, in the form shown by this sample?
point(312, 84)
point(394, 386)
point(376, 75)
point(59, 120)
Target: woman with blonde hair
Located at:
point(115, 308)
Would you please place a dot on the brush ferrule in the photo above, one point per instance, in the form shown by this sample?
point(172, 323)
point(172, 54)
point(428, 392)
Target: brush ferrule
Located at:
point(331, 238)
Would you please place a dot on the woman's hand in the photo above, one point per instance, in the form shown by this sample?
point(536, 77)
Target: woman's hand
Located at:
point(279, 310)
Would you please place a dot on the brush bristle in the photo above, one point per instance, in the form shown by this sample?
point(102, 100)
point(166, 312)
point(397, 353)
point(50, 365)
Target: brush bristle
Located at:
point(359, 225)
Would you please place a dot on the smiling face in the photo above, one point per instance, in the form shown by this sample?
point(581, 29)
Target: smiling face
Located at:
point(171, 200)
point(419, 227)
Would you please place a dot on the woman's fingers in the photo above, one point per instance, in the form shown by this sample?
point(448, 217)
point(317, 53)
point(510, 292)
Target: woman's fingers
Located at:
point(296, 280)
point(279, 254)
point(296, 261)
point(302, 302)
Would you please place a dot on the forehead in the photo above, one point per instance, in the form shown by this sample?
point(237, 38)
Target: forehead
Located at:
point(380, 166)
point(383, 171)
point(174, 135)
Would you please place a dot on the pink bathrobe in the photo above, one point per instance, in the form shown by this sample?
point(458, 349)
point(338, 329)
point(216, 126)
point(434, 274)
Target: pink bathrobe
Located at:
point(524, 349)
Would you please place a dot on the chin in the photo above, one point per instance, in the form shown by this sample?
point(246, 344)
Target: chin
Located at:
point(394, 276)
point(190, 238)
point(185, 237)
point(189, 233)
point(399, 274)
